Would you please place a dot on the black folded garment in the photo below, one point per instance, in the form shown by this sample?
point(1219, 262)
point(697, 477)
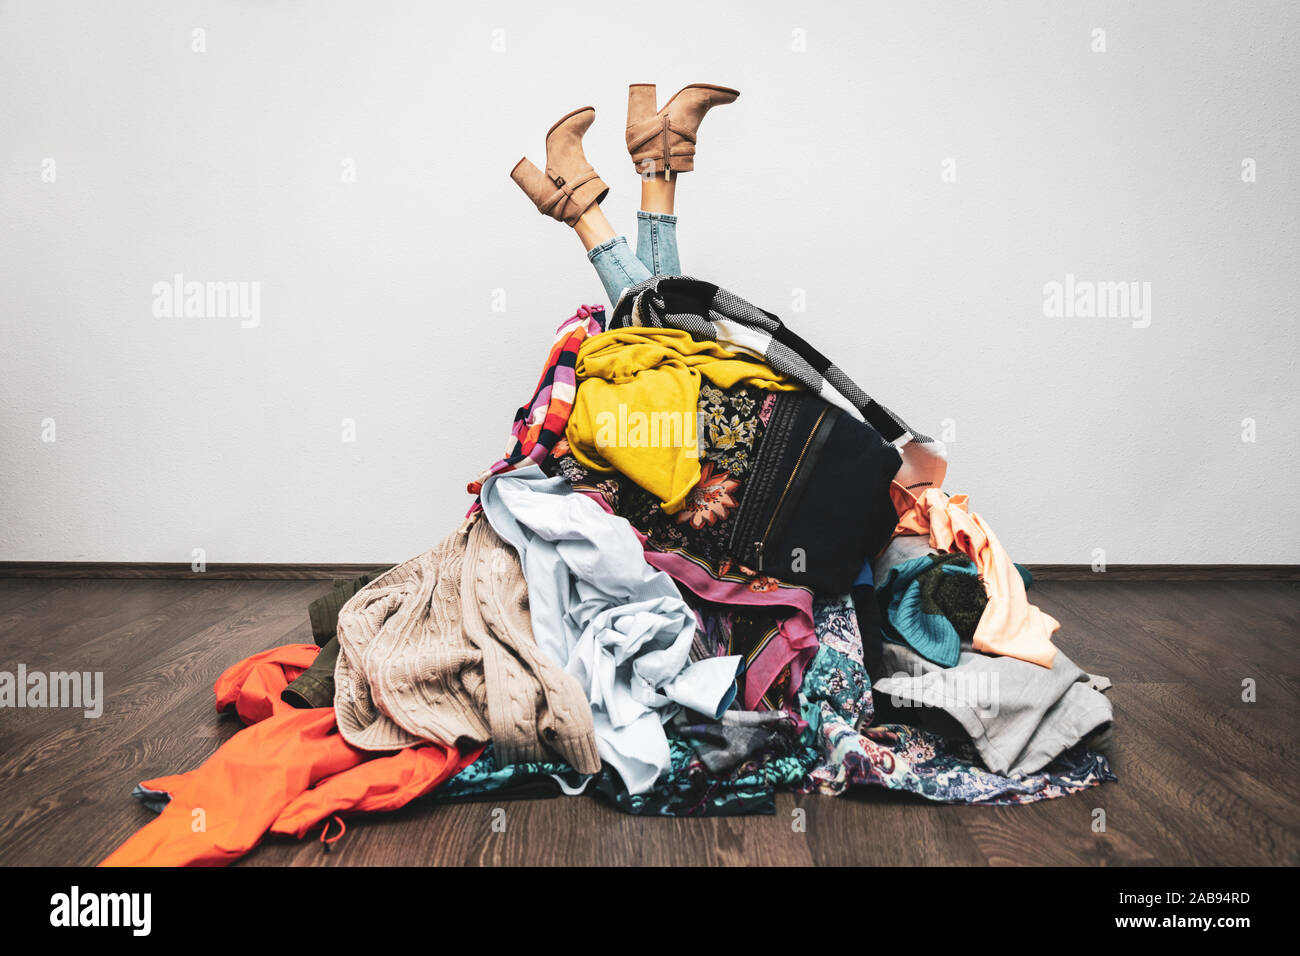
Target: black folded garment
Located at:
point(816, 506)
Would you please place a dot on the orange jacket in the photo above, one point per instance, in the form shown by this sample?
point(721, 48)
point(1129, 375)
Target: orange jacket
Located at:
point(284, 774)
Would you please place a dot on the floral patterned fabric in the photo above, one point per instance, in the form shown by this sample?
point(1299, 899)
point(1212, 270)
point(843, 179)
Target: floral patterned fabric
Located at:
point(691, 791)
point(688, 790)
point(836, 700)
point(740, 736)
point(486, 779)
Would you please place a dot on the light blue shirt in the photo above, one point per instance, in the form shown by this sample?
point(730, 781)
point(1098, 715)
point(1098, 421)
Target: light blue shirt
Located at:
point(615, 623)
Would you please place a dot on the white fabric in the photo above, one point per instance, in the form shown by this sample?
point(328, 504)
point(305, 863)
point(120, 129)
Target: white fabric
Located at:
point(615, 623)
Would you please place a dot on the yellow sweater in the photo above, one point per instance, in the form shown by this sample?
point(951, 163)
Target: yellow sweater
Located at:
point(638, 391)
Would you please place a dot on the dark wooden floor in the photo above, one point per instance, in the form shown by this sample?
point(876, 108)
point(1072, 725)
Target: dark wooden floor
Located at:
point(1205, 778)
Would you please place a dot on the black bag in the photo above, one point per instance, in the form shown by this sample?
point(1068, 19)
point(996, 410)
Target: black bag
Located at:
point(816, 505)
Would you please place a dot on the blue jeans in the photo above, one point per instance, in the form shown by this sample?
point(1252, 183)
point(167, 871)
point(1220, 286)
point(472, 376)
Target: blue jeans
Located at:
point(656, 254)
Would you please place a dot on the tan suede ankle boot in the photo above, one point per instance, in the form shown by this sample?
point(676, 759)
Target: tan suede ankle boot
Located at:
point(663, 141)
point(570, 185)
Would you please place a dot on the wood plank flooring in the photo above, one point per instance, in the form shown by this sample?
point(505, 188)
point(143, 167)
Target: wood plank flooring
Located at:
point(1205, 778)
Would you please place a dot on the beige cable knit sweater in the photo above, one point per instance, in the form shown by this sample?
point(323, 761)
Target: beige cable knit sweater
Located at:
point(441, 648)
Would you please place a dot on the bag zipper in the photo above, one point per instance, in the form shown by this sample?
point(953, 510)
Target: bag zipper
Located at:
point(762, 542)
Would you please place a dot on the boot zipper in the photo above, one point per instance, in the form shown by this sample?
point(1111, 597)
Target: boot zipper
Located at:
point(762, 543)
point(668, 162)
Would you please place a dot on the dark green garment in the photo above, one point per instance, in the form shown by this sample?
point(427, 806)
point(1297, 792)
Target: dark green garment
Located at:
point(958, 597)
point(315, 686)
point(324, 611)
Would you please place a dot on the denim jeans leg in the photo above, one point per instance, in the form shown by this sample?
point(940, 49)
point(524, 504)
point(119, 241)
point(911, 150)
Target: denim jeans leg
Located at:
point(656, 243)
point(617, 267)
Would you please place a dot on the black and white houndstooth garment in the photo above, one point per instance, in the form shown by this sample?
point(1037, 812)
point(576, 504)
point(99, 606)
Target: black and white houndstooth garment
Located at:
point(707, 311)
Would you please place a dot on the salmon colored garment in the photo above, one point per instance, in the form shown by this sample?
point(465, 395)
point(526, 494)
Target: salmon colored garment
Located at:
point(285, 773)
point(638, 395)
point(1010, 625)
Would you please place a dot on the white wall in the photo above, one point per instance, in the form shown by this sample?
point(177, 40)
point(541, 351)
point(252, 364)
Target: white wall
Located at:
point(376, 296)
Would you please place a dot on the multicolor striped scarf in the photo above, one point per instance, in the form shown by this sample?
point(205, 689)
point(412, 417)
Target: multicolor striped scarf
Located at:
point(540, 423)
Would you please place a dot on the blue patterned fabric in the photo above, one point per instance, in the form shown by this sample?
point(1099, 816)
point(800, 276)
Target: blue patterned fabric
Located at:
point(838, 750)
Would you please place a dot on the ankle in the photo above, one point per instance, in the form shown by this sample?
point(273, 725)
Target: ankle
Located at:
point(658, 194)
point(593, 228)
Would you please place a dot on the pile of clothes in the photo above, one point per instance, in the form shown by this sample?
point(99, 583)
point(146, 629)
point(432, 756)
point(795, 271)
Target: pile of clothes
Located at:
point(710, 568)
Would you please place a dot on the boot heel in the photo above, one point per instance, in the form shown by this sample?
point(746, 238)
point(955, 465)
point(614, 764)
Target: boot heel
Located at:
point(531, 180)
point(641, 103)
